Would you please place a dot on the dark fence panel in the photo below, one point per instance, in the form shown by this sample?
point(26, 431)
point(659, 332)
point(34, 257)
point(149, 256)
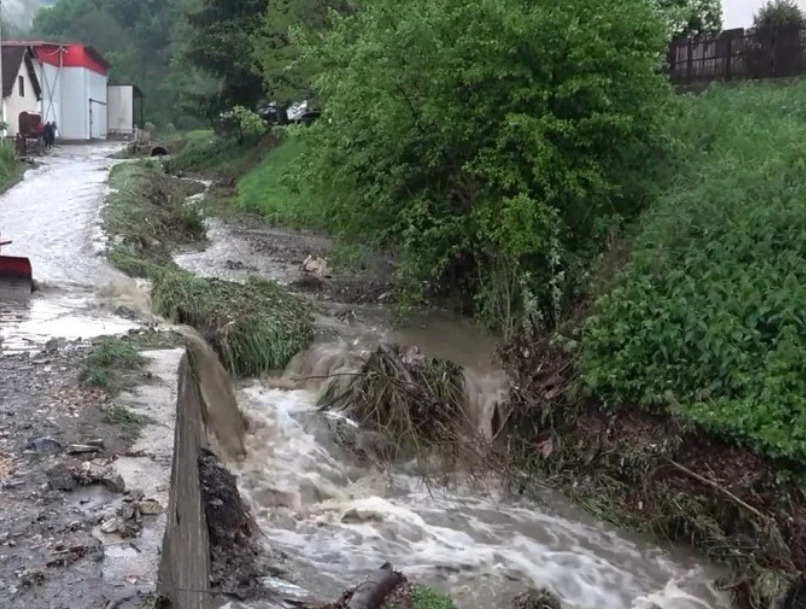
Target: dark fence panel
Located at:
point(738, 55)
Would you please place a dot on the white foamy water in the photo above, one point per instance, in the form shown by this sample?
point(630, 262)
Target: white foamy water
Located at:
point(337, 521)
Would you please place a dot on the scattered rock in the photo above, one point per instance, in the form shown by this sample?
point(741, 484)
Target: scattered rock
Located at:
point(316, 266)
point(44, 445)
point(31, 577)
point(52, 346)
point(113, 482)
point(62, 478)
point(150, 507)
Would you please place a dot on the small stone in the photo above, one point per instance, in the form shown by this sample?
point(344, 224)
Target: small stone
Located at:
point(52, 345)
point(111, 526)
point(99, 443)
point(62, 478)
point(82, 449)
point(44, 444)
point(113, 482)
point(150, 507)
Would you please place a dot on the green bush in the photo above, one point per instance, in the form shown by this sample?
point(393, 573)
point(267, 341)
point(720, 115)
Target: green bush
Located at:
point(709, 319)
point(8, 163)
point(258, 326)
point(493, 142)
point(228, 157)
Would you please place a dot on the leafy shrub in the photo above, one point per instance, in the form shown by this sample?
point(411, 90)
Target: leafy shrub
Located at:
point(490, 142)
point(708, 320)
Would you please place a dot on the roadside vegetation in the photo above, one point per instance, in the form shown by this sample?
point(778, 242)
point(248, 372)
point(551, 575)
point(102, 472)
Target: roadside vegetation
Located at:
point(10, 167)
point(110, 363)
point(255, 326)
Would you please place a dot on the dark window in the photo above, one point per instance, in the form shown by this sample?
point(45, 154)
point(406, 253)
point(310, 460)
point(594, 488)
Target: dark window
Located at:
point(21, 80)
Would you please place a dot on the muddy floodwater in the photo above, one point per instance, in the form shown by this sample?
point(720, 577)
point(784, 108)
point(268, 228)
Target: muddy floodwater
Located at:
point(52, 217)
point(336, 520)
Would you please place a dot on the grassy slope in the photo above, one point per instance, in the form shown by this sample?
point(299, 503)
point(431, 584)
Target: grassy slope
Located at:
point(705, 323)
point(708, 319)
point(268, 189)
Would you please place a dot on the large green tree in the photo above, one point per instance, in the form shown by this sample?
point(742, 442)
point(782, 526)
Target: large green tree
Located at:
point(692, 17)
point(220, 47)
point(286, 78)
point(490, 142)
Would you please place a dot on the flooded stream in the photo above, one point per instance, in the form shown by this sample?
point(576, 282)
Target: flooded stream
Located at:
point(337, 520)
point(52, 217)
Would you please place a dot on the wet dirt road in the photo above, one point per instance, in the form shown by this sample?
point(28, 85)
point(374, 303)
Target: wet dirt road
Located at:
point(52, 217)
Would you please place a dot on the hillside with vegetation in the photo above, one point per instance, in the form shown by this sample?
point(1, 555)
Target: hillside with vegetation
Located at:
point(640, 249)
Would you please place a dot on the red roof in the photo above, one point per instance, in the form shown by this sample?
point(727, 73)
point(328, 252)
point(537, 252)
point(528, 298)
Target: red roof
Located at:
point(69, 55)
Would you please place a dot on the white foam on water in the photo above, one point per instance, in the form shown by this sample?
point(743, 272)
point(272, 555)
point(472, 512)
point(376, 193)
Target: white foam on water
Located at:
point(337, 522)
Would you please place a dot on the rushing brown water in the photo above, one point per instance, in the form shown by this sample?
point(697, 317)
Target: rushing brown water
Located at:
point(336, 519)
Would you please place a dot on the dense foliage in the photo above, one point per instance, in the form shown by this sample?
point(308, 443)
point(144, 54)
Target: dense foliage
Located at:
point(708, 319)
point(220, 45)
point(286, 79)
point(491, 142)
point(692, 17)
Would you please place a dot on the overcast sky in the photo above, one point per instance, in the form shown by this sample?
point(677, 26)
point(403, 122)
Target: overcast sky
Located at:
point(739, 13)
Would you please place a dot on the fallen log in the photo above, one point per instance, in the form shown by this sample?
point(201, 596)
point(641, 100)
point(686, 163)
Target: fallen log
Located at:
point(372, 593)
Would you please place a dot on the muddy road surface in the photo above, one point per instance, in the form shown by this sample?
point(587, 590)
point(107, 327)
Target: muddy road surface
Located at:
point(52, 218)
point(59, 440)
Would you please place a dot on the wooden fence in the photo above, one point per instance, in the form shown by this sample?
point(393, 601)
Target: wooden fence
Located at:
point(738, 55)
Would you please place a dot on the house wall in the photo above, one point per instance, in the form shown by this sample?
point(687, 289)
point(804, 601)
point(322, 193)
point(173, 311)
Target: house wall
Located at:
point(97, 88)
point(15, 105)
point(75, 107)
point(51, 82)
point(120, 110)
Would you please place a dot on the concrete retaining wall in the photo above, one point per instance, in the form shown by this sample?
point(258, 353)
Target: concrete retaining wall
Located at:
point(184, 575)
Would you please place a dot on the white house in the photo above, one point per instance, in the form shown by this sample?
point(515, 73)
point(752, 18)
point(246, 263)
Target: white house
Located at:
point(21, 88)
point(73, 80)
point(120, 111)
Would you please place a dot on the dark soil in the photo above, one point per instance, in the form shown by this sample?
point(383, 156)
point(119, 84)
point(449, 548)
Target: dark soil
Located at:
point(46, 546)
point(236, 559)
point(659, 474)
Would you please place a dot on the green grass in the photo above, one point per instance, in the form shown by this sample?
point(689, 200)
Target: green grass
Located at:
point(269, 189)
point(147, 217)
point(424, 597)
point(259, 326)
point(708, 319)
point(10, 168)
point(205, 152)
point(108, 362)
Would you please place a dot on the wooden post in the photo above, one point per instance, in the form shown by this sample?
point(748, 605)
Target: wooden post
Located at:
point(690, 65)
point(729, 58)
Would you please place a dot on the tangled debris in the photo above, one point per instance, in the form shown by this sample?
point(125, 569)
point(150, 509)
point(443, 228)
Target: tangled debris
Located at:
point(418, 402)
point(662, 475)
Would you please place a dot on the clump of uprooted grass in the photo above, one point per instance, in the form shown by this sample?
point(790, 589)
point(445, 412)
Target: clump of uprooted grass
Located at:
point(108, 363)
point(147, 215)
point(419, 403)
point(256, 327)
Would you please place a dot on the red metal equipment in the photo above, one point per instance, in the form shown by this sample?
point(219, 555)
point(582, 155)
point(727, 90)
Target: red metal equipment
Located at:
point(15, 272)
